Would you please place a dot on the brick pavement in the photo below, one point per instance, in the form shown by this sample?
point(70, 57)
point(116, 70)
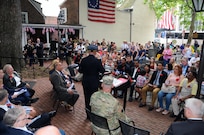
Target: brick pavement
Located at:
point(76, 123)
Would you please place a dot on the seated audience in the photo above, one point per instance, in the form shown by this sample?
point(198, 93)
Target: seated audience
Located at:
point(193, 110)
point(17, 89)
point(169, 89)
point(158, 78)
point(63, 88)
point(187, 89)
point(17, 119)
point(184, 65)
point(140, 82)
point(153, 65)
point(169, 69)
point(193, 59)
point(35, 123)
point(5, 105)
point(134, 73)
point(104, 104)
point(109, 65)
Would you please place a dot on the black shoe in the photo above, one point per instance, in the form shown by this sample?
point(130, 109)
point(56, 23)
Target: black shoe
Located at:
point(172, 115)
point(120, 96)
point(34, 100)
point(150, 108)
point(142, 105)
point(52, 114)
point(130, 99)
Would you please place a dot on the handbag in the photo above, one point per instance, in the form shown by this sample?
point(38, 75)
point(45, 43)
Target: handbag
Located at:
point(168, 89)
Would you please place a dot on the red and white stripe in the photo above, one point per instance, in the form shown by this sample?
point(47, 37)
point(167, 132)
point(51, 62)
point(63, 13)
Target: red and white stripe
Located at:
point(105, 13)
point(167, 21)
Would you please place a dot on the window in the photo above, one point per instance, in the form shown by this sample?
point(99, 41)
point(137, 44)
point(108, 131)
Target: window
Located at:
point(24, 16)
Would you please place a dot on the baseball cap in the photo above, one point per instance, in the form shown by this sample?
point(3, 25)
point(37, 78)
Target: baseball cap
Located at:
point(92, 47)
point(107, 80)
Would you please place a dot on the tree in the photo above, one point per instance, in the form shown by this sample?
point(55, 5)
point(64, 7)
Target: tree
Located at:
point(181, 8)
point(10, 33)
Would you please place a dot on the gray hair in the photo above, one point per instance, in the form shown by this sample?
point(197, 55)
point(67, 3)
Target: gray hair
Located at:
point(5, 68)
point(3, 94)
point(196, 106)
point(12, 115)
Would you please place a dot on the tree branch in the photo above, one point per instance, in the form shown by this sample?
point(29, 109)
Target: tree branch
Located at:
point(189, 6)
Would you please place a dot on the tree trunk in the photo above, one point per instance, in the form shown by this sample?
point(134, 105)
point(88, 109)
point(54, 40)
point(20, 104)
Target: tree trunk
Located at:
point(10, 33)
point(192, 26)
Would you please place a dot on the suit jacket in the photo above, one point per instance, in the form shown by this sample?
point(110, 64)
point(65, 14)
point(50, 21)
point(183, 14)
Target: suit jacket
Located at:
point(6, 130)
point(90, 66)
point(10, 83)
point(188, 127)
point(2, 113)
point(162, 78)
point(59, 85)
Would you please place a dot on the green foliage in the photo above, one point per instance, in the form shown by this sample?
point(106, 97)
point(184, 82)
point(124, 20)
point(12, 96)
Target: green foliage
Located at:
point(182, 8)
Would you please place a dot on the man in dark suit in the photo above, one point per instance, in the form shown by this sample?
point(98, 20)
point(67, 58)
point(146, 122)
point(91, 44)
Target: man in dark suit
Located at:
point(7, 130)
point(158, 78)
point(90, 66)
point(39, 49)
point(13, 83)
point(134, 73)
point(193, 110)
point(62, 88)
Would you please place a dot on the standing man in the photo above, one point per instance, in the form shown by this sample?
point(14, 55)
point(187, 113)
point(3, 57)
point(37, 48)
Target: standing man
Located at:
point(39, 48)
point(90, 67)
point(193, 110)
point(158, 78)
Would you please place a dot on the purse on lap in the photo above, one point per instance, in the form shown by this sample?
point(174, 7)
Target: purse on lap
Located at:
point(168, 89)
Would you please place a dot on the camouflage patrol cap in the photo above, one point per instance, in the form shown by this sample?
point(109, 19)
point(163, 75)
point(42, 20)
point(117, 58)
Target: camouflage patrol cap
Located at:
point(107, 80)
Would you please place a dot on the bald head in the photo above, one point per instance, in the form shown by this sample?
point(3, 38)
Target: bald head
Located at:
point(48, 130)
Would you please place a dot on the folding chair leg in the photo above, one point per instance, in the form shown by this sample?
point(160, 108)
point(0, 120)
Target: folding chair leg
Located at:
point(180, 116)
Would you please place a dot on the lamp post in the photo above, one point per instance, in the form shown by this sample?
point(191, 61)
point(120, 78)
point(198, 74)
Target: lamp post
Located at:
point(198, 6)
point(60, 20)
point(130, 10)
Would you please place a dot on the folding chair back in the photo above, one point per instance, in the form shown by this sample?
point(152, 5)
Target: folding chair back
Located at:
point(128, 129)
point(98, 121)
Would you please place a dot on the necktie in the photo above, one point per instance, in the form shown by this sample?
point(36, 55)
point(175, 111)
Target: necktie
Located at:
point(157, 78)
point(134, 73)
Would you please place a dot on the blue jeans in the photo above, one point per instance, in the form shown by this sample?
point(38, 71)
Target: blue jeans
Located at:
point(169, 96)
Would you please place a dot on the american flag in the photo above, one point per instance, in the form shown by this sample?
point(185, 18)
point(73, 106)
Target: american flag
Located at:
point(101, 11)
point(166, 21)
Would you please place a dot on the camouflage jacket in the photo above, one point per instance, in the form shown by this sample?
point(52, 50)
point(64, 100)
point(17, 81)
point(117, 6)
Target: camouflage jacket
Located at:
point(105, 105)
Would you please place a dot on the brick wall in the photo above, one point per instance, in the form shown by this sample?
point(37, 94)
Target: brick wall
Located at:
point(72, 11)
point(34, 17)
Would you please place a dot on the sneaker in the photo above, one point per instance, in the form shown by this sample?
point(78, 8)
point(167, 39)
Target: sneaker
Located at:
point(159, 109)
point(165, 112)
point(33, 100)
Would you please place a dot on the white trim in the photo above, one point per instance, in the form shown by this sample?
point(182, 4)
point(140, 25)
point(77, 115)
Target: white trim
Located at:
point(53, 26)
point(25, 14)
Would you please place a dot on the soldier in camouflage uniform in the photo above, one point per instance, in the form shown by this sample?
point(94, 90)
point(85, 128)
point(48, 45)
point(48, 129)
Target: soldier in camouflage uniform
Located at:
point(104, 104)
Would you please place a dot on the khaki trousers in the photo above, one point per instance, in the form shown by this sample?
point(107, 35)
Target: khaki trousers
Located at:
point(154, 94)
